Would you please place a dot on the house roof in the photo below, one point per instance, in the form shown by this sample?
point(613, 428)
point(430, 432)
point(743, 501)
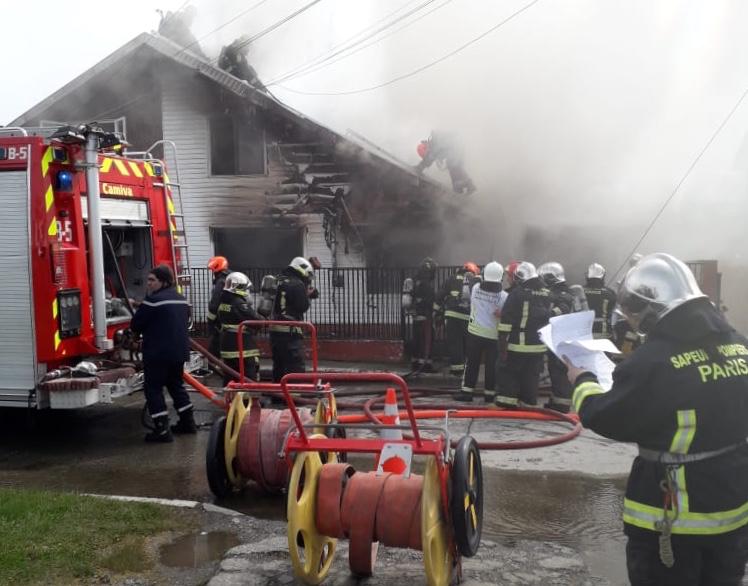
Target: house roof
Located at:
point(171, 50)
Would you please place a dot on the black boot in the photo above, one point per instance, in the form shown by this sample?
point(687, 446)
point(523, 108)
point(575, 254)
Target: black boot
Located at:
point(186, 423)
point(161, 432)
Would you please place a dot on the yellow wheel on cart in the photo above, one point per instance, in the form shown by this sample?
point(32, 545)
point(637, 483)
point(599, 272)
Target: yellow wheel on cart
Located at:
point(237, 412)
point(311, 552)
point(438, 560)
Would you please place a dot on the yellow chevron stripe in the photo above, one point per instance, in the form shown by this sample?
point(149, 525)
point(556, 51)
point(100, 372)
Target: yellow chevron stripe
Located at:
point(57, 339)
point(52, 230)
point(121, 167)
point(106, 165)
point(135, 169)
point(170, 205)
point(149, 169)
point(54, 309)
point(46, 160)
point(49, 198)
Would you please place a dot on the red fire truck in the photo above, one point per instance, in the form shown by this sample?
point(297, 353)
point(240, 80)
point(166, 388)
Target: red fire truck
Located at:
point(64, 300)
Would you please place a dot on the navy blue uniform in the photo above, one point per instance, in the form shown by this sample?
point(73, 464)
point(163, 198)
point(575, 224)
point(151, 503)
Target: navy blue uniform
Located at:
point(682, 396)
point(287, 342)
point(162, 319)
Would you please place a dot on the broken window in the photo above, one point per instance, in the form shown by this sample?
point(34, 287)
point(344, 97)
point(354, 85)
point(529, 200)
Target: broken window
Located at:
point(237, 145)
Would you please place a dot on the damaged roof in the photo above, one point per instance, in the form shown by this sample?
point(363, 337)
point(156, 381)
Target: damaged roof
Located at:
point(171, 50)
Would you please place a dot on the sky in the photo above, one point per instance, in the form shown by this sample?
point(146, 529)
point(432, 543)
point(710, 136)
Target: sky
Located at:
point(579, 118)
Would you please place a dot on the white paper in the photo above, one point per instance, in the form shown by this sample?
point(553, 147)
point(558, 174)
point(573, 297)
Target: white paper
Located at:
point(570, 337)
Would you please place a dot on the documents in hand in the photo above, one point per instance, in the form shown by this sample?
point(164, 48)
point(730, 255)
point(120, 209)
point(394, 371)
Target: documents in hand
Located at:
point(571, 336)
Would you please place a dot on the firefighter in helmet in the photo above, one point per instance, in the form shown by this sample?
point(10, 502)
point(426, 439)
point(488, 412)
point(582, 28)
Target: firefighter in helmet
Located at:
point(601, 299)
point(486, 303)
point(236, 307)
point(562, 302)
point(625, 337)
point(453, 306)
point(424, 303)
point(510, 274)
point(295, 285)
point(521, 352)
point(162, 319)
point(219, 266)
point(682, 396)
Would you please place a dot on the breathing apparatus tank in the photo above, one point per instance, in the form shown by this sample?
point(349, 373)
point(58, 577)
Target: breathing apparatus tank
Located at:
point(268, 291)
point(407, 296)
point(580, 299)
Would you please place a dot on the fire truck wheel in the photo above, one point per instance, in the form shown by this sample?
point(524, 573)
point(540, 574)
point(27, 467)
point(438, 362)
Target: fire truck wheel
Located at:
point(466, 503)
point(215, 463)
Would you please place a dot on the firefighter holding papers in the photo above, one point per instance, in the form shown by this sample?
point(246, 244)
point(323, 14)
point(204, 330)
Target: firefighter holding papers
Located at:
point(682, 396)
point(162, 319)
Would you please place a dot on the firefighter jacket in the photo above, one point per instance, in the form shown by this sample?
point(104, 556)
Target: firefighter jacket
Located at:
point(527, 309)
point(423, 298)
point(625, 337)
point(602, 300)
point(484, 305)
point(454, 296)
point(219, 280)
point(683, 397)
point(234, 309)
point(562, 300)
point(162, 319)
point(291, 300)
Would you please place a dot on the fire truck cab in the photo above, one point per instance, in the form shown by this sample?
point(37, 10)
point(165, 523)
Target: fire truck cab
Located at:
point(65, 299)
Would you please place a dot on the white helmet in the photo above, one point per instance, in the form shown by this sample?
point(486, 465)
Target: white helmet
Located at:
point(493, 272)
point(237, 283)
point(596, 271)
point(552, 273)
point(653, 288)
point(525, 271)
point(302, 266)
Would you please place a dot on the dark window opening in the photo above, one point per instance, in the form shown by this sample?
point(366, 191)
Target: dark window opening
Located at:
point(237, 146)
point(247, 248)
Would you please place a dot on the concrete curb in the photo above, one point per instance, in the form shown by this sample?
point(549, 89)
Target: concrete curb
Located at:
point(184, 504)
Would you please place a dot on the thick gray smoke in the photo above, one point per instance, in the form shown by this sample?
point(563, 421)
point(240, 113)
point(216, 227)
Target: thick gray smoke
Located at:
point(579, 119)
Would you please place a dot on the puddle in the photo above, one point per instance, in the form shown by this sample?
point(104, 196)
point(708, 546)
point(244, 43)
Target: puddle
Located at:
point(191, 551)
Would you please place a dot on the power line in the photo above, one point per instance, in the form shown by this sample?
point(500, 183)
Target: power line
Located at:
point(423, 67)
point(682, 180)
point(279, 23)
point(320, 60)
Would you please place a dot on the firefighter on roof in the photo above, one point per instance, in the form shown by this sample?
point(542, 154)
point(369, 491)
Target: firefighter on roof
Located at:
point(219, 266)
point(601, 299)
point(162, 320)
point(527, 309)
point(486, 302)
point(453, 305)
point(294, 289)
point(236, 307)
point(562, 302)
point(683, 398)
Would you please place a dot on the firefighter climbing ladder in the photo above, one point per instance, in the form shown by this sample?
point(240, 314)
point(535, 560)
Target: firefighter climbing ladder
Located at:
point(175, 209)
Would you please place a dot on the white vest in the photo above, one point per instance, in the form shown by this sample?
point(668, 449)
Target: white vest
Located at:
point(483, 304)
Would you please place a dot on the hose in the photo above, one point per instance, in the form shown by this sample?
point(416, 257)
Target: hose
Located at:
point(225, 369)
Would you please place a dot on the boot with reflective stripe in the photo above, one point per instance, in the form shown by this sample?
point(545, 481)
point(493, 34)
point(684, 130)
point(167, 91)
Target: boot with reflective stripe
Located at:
point(186, 423)
point(161, 432)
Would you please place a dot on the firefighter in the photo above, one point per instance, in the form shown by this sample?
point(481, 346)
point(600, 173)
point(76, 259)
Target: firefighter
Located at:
point(562, 302)
point(511, 270)
point(219, 266)
point(291, 303)
point(527, 309)
point(683, 398)
point(423, 323)
point(162, 319)
point(444, 149)
point(601, 299)
point(486, 302)
point(233, 60)
point(453, 307)
point(236, 307)
point(177, 27)
point(624, 336)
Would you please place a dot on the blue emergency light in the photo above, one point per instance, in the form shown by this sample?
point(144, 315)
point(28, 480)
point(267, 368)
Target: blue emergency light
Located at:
point(64, 181)
point(3, 153)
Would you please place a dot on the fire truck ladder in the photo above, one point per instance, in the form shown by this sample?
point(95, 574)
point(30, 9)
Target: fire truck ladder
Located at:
point(175, 210)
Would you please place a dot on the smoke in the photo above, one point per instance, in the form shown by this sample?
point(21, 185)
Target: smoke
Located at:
point(579, 119)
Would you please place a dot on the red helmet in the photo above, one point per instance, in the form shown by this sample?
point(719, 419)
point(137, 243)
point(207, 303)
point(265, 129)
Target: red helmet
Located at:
point(422, 148)
point(471, 267)
point(218, 264)
point(511, 270)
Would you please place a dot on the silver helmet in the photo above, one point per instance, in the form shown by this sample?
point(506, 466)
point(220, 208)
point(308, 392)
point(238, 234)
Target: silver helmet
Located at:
point(653, 288)
point(237, 283)
point(552, 273)
point(596, 271)
point(525, 271)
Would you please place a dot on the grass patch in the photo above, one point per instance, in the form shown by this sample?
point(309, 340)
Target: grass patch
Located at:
point(58, 538)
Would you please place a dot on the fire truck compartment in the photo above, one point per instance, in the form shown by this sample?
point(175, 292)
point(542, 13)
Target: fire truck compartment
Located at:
point(129, 258)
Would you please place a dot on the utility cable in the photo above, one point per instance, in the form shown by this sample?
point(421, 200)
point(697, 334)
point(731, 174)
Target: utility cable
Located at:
point(682, 180)
point(323, 59)
point(423, 67)
point(277, 24)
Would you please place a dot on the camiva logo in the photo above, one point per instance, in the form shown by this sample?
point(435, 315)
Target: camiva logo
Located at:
point(109, 189)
